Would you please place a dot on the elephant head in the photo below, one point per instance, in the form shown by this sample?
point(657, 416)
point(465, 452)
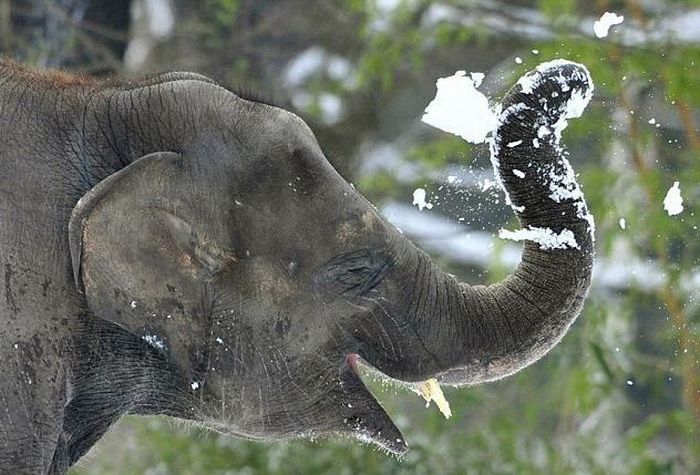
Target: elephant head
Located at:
point(263, 276)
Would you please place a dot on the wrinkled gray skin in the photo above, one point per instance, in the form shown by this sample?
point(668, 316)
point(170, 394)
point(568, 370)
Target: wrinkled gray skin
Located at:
point(169, 247)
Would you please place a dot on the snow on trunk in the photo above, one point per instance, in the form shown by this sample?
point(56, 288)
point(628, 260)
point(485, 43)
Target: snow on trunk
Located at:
point(458, 108)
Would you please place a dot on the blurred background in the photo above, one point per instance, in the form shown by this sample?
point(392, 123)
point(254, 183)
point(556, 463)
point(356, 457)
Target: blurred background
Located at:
point(621, 393)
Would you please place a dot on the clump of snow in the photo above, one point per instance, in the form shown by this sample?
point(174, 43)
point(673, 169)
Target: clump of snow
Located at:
point(133, 304)
point(514, 143)
point(419, 199)
point(487, 184)
point(477, 78)
point(602, 26)
point(563, 186)
point(673, 202)
point(518, 173)
point(194, 386)
point(574, 108)
point(458, 108)
point(545, 237)
point(578, 102)
point(534, 78)
point(623, 223)
point(154, 341)
point(519, 60)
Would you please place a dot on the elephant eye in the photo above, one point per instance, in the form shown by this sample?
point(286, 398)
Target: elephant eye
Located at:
point(353, 274)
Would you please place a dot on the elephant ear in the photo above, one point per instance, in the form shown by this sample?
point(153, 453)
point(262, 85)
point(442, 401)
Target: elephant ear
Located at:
point(140, 262)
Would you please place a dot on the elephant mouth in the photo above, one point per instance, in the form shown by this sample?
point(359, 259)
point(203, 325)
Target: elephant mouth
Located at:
point(371, 423)
point(353, 361)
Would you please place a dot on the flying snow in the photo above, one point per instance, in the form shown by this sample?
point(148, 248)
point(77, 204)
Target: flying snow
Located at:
point(487, 184)
point(673, 203)
point(419, 199)
point(545, 237)
point(602, 26)
point(458, 108)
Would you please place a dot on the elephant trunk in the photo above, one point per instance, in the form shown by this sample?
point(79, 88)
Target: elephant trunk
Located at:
point(470, 334)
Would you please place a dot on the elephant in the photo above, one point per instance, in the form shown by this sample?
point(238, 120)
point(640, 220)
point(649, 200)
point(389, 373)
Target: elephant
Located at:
point(172, 247)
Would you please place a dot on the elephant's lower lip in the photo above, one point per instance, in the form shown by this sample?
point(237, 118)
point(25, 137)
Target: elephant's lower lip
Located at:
point(384, 432)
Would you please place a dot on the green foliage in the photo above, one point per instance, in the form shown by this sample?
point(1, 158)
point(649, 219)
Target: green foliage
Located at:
point(222, 12)
point(555, 9)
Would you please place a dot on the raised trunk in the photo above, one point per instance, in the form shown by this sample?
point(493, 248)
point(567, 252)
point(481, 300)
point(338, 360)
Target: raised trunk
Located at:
point(481, 333)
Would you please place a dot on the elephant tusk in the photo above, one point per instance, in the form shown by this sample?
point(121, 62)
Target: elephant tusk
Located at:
point(431, 391)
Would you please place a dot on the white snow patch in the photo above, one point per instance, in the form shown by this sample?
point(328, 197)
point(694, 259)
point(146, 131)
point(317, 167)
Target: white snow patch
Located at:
point(458, 108)
point(194, 386)
point(673, 202)
point(623, 223)
point(545, 237)
point(133, 304)
point(155, 341)
point(535, 143)
point(519, 60)
point(419, 199)
point(514, 144)
point(533, 79)
point(602, 26)
point(477, 78)
point(487, 184)
point(219, 341)
point(630, 382)
point(652, 121)
point(518, 173)
point(563, 186)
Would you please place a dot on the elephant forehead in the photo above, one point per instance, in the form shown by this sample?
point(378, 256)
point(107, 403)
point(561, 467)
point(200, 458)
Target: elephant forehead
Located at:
point(351, 230)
